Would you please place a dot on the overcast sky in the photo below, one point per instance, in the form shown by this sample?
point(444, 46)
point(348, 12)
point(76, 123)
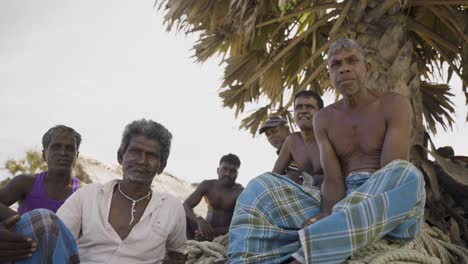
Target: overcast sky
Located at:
point(96, 65)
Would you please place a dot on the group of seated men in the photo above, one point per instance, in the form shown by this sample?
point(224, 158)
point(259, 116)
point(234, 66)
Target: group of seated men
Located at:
point(339, 184)
point(357, 150)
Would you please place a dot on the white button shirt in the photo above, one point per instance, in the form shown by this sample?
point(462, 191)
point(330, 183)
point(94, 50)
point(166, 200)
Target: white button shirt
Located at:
point(161, 228)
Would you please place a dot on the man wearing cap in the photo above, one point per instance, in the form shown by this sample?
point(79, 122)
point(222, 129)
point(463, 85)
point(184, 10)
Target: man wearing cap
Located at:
point(276, 130)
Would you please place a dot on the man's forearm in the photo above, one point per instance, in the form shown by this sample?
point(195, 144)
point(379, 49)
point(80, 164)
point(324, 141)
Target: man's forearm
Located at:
point(332, 193)
point(192, 218)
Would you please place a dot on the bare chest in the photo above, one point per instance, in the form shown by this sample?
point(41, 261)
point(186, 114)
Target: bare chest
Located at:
point(358, 133)
point(307, 157)
point(222, 200)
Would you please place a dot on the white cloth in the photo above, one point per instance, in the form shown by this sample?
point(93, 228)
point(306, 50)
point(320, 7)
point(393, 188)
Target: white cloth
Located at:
point(161, 228)
point(309, 181)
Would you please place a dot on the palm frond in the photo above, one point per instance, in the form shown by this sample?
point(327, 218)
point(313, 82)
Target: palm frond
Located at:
point(437, 106)
point(253, 121)
point(276, 50)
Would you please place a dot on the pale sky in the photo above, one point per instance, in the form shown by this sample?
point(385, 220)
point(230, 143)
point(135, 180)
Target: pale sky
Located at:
point(96, 65)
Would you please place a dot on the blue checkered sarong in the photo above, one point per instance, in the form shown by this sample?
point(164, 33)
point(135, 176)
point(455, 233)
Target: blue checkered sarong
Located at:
point(266, 226)
point(55, 243)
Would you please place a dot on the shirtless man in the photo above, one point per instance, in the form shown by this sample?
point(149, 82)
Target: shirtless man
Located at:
point(364, 140)
point(220, 195)
point(364, 131)
point(47, 189)
point(301, 147)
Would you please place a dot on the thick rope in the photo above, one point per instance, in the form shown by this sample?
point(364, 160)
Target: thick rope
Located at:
point(207, 252)
point(431, 246)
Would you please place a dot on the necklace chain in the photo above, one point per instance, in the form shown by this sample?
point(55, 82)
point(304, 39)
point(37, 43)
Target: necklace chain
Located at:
point(133, 201)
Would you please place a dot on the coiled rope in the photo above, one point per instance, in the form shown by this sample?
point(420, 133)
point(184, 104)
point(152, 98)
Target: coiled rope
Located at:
point(431, 246)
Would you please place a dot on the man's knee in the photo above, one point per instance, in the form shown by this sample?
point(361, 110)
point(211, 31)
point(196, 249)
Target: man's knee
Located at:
point(410, 173)
point(39, 223)
point(405, 166)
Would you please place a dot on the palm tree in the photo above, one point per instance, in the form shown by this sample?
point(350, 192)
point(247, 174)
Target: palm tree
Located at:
point(272, 49)
point(32, 163)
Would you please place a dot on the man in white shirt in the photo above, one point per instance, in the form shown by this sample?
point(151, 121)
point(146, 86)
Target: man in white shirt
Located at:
point(124, 221)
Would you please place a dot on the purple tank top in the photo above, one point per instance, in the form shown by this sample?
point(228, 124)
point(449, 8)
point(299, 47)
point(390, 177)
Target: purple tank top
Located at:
point(37, 198)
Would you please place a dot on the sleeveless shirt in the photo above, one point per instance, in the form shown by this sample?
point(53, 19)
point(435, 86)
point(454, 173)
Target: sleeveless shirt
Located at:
point(38, 198)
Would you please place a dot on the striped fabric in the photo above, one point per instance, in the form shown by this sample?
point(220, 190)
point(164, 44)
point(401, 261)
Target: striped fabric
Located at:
point(55, 243)
point(266, 226)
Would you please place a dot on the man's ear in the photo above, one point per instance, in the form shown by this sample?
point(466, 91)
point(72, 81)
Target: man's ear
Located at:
point(119, 157)
point(162, 167)
point(43, 155)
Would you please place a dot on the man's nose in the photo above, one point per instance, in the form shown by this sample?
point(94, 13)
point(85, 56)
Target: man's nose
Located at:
point(344, 68)
point(62, 151)
point(141, 158)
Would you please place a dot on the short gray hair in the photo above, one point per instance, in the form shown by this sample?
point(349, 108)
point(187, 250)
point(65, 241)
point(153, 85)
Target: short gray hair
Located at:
point(346, 44)
point(149, 129)
point(59, 130)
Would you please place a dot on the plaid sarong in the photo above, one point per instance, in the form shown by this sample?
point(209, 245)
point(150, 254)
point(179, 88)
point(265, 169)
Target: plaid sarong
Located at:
point(55, 243)
point(266, 226)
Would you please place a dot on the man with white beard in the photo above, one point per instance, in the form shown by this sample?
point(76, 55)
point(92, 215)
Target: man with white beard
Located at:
point(125, 221)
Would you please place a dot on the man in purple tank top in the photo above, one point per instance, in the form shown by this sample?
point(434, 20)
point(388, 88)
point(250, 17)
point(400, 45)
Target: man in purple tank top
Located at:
point(47, 189)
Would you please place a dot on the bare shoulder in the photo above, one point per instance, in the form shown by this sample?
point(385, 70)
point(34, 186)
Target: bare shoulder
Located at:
point(293, 137)
point(326, 113)
point(17, 189)
point(238, 186)
point(291, 140)
point(207, 184)
point(22, 182)
point(394, 104)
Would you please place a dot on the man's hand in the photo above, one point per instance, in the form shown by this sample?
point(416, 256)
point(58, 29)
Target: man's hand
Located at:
point(295, 176)
point(12, 245)
point(205, 231)
point(199, 236)
point(314, 219)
